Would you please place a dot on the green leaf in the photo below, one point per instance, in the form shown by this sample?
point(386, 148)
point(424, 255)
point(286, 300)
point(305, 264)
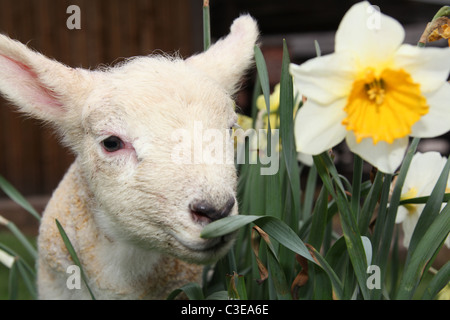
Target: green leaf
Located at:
point(226, 225)
point(277, 276)
point(218, 295)
point(319, 220)
point(426, 248)
point(22, 239)
point(236, 287)
point(17, 197)
point(13, 281)
point(29, 278)
point(73, 255)
point(335, 281)
point(289, 152)
point(286, 119)
point(370, 203)
point(206, 27)
point(263, 76)
point(422, 200)
point(384, 228)
point(276, 228)
point(325, 168)
point(310, 191)
point(439, 281)
point(431, 209)
point(192, 290)
point(356, 185)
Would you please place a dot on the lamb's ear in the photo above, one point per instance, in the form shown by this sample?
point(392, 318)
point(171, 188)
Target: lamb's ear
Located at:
point(39, 86)
point(227, 60)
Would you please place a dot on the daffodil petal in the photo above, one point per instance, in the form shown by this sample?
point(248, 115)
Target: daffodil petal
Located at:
point(386, 157)
point(437, 121)
point(424, 172)
point(324, 79)
point(369, 35)
point(402, 213)
point(409, 224)
point(318, 128)
point(428, 66)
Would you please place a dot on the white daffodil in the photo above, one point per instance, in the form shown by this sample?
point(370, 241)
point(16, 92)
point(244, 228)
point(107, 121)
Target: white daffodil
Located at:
point(423, 173)
point(373, 91)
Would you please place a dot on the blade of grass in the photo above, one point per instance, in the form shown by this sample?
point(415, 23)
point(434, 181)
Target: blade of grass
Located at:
point(370, 203)
point(263, 76)
point(13, 281)
point(319, 220)
point(20, 236)
point(289, 153)
point(422, 200)
point(356, 185)
point(426, 248)
point(431, 209)
point(192, 290)
point(206, 26)
point(276, 273)
point(385, 223)
point(335, 281)
point(73, 255)
point(287, 122)
point(29, 278)
point(17, 197)
point(310, 190)
point(325, 168)
point(257, 91)
point(276, 228)
point(439, 281)
point(236, 287)
point(382, 212)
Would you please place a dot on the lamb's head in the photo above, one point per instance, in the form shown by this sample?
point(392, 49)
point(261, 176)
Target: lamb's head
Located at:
point(151, 136)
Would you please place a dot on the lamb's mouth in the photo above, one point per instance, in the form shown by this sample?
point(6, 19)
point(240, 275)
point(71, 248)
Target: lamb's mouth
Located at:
point(209, 245)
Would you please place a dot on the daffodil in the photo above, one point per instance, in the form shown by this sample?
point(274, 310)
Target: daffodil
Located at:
point(423, 173)
point(274, 100)
point(373, 91)
point(274, 117)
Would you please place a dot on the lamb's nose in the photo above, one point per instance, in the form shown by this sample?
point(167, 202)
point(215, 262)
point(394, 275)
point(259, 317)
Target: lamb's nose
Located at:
point(205, 212)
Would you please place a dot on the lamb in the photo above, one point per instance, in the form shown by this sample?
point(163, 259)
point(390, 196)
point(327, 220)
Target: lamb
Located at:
point(133, 215)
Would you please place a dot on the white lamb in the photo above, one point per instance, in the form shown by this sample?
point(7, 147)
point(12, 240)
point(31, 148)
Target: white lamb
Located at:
point(132, 213)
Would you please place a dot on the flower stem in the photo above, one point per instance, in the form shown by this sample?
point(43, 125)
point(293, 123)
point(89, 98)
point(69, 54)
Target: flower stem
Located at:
point(206, 26)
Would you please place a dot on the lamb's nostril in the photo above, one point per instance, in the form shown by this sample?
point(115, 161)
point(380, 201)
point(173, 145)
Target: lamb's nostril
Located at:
point(226, 210)
point(205, 212)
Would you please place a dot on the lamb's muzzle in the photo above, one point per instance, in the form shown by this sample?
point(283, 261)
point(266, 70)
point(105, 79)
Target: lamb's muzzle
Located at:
point(204, 212)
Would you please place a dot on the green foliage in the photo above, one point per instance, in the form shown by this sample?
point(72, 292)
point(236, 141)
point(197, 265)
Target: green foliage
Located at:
point(294, 224)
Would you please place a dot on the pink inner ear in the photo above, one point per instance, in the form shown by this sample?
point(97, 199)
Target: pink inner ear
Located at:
point(29, 86)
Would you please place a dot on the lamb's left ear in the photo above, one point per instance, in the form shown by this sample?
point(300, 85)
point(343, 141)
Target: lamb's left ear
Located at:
point(227, 60)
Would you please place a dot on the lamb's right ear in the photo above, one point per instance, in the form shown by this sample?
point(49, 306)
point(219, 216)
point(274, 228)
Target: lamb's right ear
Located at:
point(227, 60)
point(39, 86)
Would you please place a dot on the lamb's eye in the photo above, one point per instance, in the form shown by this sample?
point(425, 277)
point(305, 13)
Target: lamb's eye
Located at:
point(112, 144)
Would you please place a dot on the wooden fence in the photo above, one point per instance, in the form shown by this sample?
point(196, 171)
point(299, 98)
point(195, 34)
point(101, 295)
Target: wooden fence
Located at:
point(30, 156)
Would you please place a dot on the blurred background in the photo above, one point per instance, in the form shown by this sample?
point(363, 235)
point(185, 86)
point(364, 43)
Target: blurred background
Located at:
point(30, 155)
